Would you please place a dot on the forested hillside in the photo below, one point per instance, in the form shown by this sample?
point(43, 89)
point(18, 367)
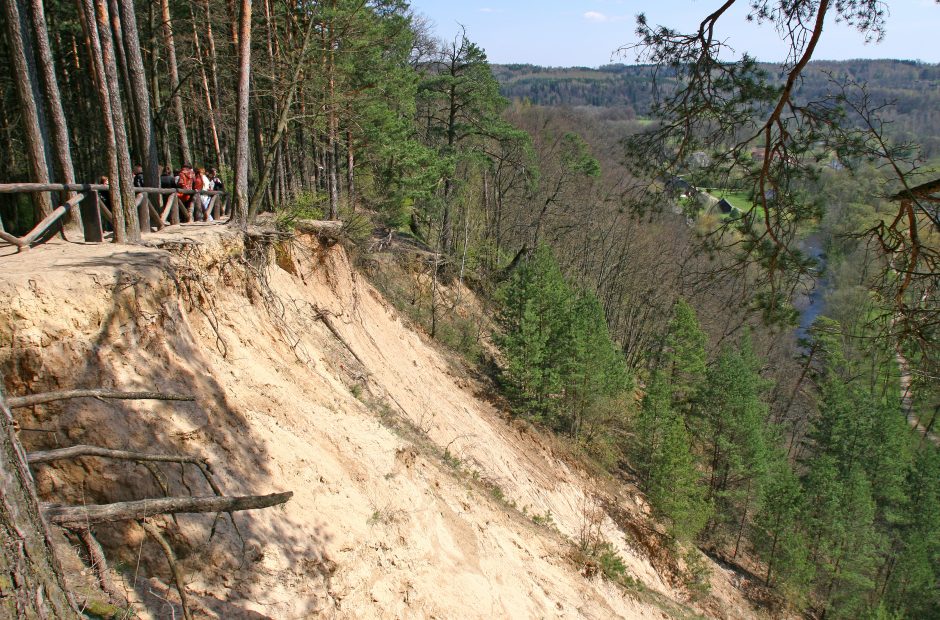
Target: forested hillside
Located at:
point(719, 295)
point(910, 87)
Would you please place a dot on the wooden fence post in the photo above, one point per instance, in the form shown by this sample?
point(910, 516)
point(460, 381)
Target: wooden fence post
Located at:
point(143, 212)
point(91, 218)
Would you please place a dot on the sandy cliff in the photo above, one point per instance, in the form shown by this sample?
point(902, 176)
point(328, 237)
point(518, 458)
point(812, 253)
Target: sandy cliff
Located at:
point(412, 496)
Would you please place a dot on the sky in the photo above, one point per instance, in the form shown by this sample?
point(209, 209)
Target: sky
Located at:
point(587, 33)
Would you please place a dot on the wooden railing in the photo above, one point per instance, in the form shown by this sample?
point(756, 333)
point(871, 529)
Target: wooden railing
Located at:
point(87, 201)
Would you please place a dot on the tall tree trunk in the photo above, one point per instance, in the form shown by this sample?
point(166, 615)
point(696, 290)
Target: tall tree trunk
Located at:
point(90, 28)
point(125, 173)
point(120, 57)
point(350, 172)
point(27, 89)
point(241, 114)
point(177, 99)
point(28, 562)
point(331, 163)
point(60, 132)
point(164, 139)
point(140, 94)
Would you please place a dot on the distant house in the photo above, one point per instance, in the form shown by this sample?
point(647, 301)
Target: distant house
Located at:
point(680, 187)
point(757, 154)
point(725, 207)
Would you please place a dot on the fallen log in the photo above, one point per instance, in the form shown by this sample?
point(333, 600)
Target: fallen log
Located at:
point(82, 516)
point(48, 397)
point(45, 456)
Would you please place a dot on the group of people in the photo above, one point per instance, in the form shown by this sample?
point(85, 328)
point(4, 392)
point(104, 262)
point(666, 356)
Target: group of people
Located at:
point(185, 178)
point(196, 179)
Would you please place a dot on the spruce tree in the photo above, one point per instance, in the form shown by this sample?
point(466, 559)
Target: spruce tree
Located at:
point(593, 367)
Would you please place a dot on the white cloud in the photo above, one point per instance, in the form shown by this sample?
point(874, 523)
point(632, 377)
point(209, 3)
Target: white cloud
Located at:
point(487, 9)
point(594, 16)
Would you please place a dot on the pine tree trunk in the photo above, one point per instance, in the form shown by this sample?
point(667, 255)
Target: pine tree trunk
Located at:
point(120, 57)
point(177, 99)
point(125, 177)
point(350, 172)
point(241, 130)
point(89, 26)
point(27, 89)
point(163, 136)
point(60, 132)
point(31, 580)
point(140, 95)
point(331, 163)
point(281, 127)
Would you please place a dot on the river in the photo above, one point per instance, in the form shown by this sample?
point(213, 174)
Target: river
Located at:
point(811, 303)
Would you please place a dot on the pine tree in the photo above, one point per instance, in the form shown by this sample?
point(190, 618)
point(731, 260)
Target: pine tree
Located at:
point(593, 367)
point(684, 354)
point(845, 543)
point(777, 533)
point(671, 478)
point(912, 572)
point(729, 419)
point(535, 305)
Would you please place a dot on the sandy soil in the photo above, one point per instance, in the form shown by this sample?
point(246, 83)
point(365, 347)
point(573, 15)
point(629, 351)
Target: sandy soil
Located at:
point(380, 525)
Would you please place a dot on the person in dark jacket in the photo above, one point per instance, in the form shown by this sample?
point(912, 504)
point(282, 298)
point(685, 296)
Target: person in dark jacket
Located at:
point(138, 175)
point(167, 179)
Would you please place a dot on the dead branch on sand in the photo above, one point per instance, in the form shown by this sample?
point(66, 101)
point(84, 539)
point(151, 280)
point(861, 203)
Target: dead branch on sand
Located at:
point(17, 402)
point(79, 516)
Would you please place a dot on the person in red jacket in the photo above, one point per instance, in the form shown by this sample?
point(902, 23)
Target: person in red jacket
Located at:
point(185, 181)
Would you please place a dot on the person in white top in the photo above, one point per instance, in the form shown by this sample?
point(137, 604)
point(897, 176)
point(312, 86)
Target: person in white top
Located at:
point(206, 185)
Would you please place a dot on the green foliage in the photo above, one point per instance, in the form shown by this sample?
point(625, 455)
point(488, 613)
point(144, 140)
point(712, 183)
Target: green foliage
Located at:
point(559, 359)
point(697, 575)
point(777, 535)
point(729, 419)
point(911, 587)
point(685, 357)
point(672, 480)
point(533, 311)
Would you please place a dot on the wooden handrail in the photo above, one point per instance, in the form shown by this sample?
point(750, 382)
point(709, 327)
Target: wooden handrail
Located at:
point(31, 188)
point(81, 190)
point(24, 242)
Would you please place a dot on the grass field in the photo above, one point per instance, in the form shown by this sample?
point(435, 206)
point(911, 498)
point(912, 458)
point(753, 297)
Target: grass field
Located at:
point(738, 200)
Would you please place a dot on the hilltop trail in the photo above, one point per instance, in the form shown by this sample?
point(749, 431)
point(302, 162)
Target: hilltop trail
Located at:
point(392, 457)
